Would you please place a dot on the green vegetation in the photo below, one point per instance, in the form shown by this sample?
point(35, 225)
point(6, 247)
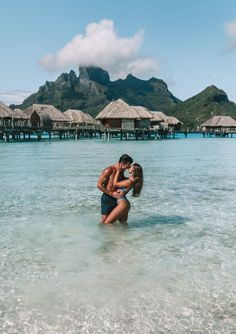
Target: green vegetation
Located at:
point(211, 101)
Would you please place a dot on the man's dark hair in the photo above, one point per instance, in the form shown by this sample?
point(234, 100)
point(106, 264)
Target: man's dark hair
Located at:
point(126, 159)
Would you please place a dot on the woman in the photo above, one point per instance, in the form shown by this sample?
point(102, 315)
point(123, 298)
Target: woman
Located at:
point(135, 182)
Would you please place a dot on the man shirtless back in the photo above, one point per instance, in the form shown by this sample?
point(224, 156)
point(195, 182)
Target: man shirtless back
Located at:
point(105, 184)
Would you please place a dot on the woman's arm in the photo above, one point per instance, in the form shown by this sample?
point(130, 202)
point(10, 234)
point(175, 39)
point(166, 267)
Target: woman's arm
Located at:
point(103, 178)
point(125, 183)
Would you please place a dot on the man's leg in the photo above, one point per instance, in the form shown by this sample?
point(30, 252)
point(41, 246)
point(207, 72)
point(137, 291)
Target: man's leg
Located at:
point(108, 203)
point(104, 217)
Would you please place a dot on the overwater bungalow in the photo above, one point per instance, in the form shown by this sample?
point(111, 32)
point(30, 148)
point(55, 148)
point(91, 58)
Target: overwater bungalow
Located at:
point(119, 115)
point(173, 123)
point(117, 119)
point(6, 115)
point(219, 126)
point(161, 120)
point(157, 118)
point(145, 117)
point(20, 120)
point(46, 117)
point(78, 118)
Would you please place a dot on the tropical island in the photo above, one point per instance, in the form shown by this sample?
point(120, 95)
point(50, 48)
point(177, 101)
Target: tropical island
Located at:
point(92, 90)
point(91, 104)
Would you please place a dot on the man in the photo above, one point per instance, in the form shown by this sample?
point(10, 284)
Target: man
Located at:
point(105, 184)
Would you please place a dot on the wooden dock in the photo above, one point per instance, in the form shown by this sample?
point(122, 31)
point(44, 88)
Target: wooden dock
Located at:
point(219, 133)
point(8, 134)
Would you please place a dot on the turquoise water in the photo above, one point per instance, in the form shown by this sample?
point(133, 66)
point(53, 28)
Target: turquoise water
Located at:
point(173, 270)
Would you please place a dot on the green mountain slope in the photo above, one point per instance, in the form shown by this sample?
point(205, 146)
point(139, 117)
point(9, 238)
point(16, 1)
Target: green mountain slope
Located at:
point(197, 109)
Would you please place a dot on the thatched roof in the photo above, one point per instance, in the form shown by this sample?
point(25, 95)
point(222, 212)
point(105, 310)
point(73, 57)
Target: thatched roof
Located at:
point(19, 114)
point(172, 120)
point(143, 112)
point(5, 111)
point(90, 119)
point(79, 116)
point(162, 115)
point(46, 111)
point(217, 121)
point(118, 109)
point(157, 116)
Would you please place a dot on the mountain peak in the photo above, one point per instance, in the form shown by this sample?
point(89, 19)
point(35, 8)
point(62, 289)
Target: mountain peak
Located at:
point(197, 109)
point(214, 94)
point(64, 81)
point(131, 76)
point(92, 90)
point(93, 74)
point(71, 76)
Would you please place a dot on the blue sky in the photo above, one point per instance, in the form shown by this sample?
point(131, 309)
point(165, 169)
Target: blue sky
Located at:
point(188, 44)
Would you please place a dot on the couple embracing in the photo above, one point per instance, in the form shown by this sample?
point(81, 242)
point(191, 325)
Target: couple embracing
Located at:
point(114, 185)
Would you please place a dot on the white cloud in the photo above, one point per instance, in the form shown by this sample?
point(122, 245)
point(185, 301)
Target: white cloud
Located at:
point(230, 31)
point(101, 46)
point(14, 96)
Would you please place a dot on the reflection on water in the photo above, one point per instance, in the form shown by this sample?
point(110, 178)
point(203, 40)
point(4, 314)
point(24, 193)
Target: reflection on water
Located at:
point(171, 270)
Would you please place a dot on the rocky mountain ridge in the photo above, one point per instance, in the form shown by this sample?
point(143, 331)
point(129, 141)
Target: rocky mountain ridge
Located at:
point(92, 90)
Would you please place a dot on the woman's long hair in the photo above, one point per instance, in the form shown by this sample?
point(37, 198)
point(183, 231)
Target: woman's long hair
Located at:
point(138, 179)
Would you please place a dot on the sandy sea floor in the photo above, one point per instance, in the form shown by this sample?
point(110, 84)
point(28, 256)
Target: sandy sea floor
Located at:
point(172, 270)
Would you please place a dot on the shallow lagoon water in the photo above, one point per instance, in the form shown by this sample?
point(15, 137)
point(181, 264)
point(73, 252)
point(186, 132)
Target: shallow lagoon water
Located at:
point(172, 270)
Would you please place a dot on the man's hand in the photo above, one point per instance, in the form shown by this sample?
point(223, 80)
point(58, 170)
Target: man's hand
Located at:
point(118, 194)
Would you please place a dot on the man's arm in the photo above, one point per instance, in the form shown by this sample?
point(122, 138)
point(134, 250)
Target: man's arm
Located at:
point(103, 178)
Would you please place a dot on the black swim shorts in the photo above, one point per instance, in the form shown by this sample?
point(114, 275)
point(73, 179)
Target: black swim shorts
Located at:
point(108, 203)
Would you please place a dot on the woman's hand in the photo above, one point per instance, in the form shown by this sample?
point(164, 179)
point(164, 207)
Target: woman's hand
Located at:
point(118, 166)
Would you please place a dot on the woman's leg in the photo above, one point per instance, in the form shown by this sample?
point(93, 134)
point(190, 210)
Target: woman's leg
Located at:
point(123, 219)
point(120, 210)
